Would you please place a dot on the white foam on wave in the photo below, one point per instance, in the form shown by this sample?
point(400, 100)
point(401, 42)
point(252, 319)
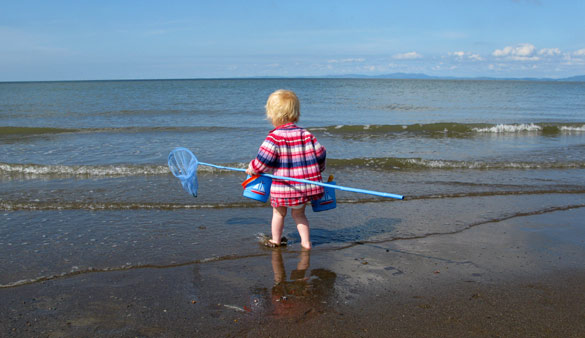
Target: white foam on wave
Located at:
point(114, 170)
point(571, 128)
point(509, 128)
point(481, 165)
point(81, 170)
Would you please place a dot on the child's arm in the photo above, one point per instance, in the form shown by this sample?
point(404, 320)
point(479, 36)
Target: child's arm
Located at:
point(267, 158)
point(320, 153)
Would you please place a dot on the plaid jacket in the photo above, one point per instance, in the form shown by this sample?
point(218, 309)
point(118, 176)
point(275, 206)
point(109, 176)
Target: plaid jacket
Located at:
point(291, 151)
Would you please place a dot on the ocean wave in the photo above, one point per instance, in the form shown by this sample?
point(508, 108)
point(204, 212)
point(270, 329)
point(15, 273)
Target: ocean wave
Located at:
point(31, 171)
point(30, 131)
point(114, 170)
point(20, 131)
point(397, 128)
point(448, 129)
point(394, 163)
point(573, 128)
point(509, 128)
point(366, 130)
point(406, 107)
point(39, 170)
point(540, 128)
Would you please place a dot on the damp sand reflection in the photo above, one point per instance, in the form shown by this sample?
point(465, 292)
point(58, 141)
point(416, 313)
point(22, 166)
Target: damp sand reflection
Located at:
point(304, 292)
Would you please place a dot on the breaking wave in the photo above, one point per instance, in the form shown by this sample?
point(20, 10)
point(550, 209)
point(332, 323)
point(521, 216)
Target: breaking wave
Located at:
point(23, 131)
point(13, 170)
point(450, 129)
point(442, 128)
point(40, 170)
point(30, 131)
point(393, 163)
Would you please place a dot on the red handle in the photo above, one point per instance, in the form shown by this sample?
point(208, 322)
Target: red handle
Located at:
point(245, 183)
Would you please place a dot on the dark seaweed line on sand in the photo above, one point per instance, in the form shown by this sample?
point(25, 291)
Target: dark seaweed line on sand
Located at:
point(47, 206)
point(124, 268)
point(238, 257)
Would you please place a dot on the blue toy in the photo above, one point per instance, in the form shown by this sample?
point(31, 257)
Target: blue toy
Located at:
point(257, 187)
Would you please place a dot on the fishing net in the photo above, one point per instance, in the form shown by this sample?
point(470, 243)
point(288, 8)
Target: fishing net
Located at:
point(183, 165)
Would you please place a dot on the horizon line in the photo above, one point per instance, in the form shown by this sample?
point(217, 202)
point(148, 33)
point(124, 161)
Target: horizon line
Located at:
point(389, 76)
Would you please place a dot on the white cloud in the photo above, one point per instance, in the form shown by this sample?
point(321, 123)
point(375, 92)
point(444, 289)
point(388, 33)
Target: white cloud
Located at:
point(549, 52)
point(460, 55)
point(521, 52)
point(407, 56)
point(349, 60)
point(575, 58)
point(475, 57)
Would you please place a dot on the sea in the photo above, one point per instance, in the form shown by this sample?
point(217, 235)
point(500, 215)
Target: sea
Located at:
point(85, 186)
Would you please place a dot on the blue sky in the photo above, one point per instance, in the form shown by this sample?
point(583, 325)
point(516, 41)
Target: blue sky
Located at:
point(84, 40)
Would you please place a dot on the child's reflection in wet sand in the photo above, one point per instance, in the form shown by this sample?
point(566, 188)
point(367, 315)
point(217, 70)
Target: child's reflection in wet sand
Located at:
point(302, 295)
point(299, 273)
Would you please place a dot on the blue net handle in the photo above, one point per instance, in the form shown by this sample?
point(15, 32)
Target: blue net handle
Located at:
point(334, 186)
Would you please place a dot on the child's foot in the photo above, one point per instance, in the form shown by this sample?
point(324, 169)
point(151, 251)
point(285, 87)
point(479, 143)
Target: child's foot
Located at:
point(268, 242)
point(271, 244)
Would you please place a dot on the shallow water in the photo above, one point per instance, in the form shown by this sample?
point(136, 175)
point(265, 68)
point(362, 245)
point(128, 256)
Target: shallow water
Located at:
point(85, 185)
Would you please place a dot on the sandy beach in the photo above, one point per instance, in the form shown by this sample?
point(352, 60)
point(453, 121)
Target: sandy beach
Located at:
point(522, 276)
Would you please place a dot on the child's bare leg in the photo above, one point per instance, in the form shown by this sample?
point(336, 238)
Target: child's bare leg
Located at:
point(278, 215)
point(302, 226)
point(304, 260)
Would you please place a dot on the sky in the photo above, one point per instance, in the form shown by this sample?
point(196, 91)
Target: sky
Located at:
point(99, 40)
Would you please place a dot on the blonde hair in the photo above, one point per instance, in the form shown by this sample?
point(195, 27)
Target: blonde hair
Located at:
point(282, 107)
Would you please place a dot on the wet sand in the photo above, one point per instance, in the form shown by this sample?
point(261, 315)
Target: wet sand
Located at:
point(523, 276)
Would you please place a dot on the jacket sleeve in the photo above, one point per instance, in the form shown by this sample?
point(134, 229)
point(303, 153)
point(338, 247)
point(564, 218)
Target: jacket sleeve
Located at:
point(320, 153)
point(267, 158)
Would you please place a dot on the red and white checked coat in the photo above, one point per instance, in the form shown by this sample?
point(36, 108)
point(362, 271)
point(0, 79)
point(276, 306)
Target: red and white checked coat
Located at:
point(291, 151)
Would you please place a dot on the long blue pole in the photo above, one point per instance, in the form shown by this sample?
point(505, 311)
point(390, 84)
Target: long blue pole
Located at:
point(339, 187)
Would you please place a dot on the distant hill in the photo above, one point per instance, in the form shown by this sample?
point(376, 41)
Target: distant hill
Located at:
point(579, 78)
point(388, 76)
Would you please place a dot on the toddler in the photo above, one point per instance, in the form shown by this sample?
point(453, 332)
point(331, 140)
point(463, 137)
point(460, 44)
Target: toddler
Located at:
point(289, 151)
